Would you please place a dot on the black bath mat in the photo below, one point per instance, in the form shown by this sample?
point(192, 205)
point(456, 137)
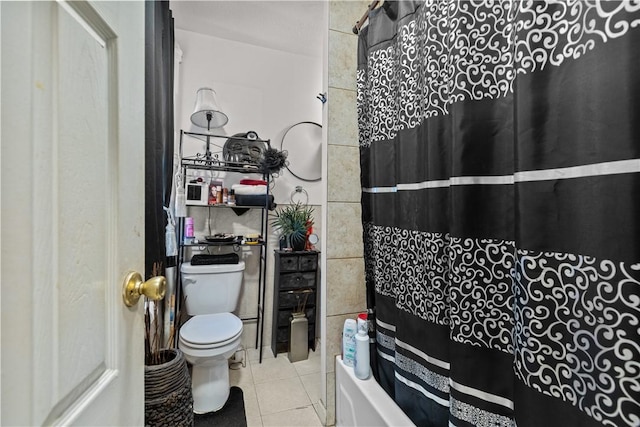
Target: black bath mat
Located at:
point(231, 415)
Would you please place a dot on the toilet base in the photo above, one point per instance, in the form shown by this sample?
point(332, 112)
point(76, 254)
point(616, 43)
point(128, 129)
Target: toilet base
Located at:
point(210, 366)
point(210, 386)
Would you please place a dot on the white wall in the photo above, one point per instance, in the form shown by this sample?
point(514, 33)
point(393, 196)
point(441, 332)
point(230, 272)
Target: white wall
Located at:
point(259, 89)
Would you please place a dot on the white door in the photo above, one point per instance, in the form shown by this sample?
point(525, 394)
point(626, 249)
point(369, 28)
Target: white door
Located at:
point(72, 164)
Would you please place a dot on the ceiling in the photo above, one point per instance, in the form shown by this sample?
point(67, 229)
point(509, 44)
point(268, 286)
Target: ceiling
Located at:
point(291, 26)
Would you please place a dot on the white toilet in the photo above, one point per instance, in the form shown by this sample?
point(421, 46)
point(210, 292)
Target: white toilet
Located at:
point(213, 334)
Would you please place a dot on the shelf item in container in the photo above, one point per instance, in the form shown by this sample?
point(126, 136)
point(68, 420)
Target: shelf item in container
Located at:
point(219, 198)
point(188, 230)
point(244, 148)
point(249, 189)
point(215, 186)
point(255, 200)
point(247, 181)
point(253, 239)
point(221, 238)
point(196, 192)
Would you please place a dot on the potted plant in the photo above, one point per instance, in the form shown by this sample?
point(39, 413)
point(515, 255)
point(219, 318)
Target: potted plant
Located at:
point(293, 222)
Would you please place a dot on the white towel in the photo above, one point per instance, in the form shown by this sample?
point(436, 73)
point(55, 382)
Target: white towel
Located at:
point(249, 189)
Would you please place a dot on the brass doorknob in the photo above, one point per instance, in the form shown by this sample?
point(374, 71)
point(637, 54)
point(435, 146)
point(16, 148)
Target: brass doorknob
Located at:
point(134, 287)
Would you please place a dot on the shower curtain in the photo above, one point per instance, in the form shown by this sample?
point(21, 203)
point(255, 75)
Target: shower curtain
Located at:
point(159, 42)
point(500, 168)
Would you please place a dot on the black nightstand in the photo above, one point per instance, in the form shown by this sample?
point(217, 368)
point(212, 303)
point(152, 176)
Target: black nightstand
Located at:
point(295, 281)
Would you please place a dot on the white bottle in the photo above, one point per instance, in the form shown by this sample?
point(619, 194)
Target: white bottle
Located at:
point(363, 323)
point(361, 367)
point(349, 342)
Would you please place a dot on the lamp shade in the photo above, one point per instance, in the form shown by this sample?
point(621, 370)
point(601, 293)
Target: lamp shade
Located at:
point(206, 104)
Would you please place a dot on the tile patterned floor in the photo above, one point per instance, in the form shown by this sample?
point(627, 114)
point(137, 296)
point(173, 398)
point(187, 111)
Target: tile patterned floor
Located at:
point(278, 392)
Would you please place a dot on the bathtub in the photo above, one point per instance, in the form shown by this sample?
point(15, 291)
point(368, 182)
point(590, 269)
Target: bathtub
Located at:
point(364, 402)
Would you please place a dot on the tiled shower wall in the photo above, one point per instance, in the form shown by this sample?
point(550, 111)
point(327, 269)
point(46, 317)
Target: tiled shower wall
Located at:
point(344, 250)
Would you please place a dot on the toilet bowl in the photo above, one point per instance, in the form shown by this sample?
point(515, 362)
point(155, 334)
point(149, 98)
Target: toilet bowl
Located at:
point(207, 341)
point(213, 334)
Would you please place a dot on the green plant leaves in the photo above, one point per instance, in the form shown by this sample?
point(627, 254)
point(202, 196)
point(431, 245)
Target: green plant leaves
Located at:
point(292, 221)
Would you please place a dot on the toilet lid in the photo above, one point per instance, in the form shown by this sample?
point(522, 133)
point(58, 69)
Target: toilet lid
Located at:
point(211, 328)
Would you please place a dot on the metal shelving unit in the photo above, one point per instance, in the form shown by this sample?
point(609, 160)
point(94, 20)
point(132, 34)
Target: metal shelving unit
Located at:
point(212, 162)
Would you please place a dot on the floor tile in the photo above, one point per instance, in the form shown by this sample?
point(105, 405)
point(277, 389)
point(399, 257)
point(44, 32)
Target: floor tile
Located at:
point(251, 407)
point(281, 395)
point(298, 417)
point(253, 354)
point(272, 369)
point(308, 366)
point(278, 392)
point(320, 412)
point(312, 384)
point(254, 422)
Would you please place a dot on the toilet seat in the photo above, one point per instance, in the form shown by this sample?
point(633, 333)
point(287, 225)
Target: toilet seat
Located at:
point(209, 331)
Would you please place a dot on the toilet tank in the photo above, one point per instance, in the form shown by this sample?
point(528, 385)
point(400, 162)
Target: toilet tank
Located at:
point(210, 289)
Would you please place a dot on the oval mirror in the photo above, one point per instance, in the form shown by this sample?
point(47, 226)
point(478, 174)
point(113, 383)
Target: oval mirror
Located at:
point(303, 142)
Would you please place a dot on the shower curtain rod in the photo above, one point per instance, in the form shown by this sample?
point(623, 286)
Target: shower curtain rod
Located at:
point(360, 23)
point(390, 8)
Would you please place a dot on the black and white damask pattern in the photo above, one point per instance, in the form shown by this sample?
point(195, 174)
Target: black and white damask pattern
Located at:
point(478, 417)
point(571, 322)
point(464, 283)
point(380, 244)
point(578, 333)
point(576, 319)
point(550, 32)
point(363, 106)
point(472, 50)
point(383, 117)
point(482, 292)
point(478, 46)
point(411, 267)
point(430, 378)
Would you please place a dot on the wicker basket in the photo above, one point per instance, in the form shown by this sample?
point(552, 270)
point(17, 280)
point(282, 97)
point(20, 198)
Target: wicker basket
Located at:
point(167, 391)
